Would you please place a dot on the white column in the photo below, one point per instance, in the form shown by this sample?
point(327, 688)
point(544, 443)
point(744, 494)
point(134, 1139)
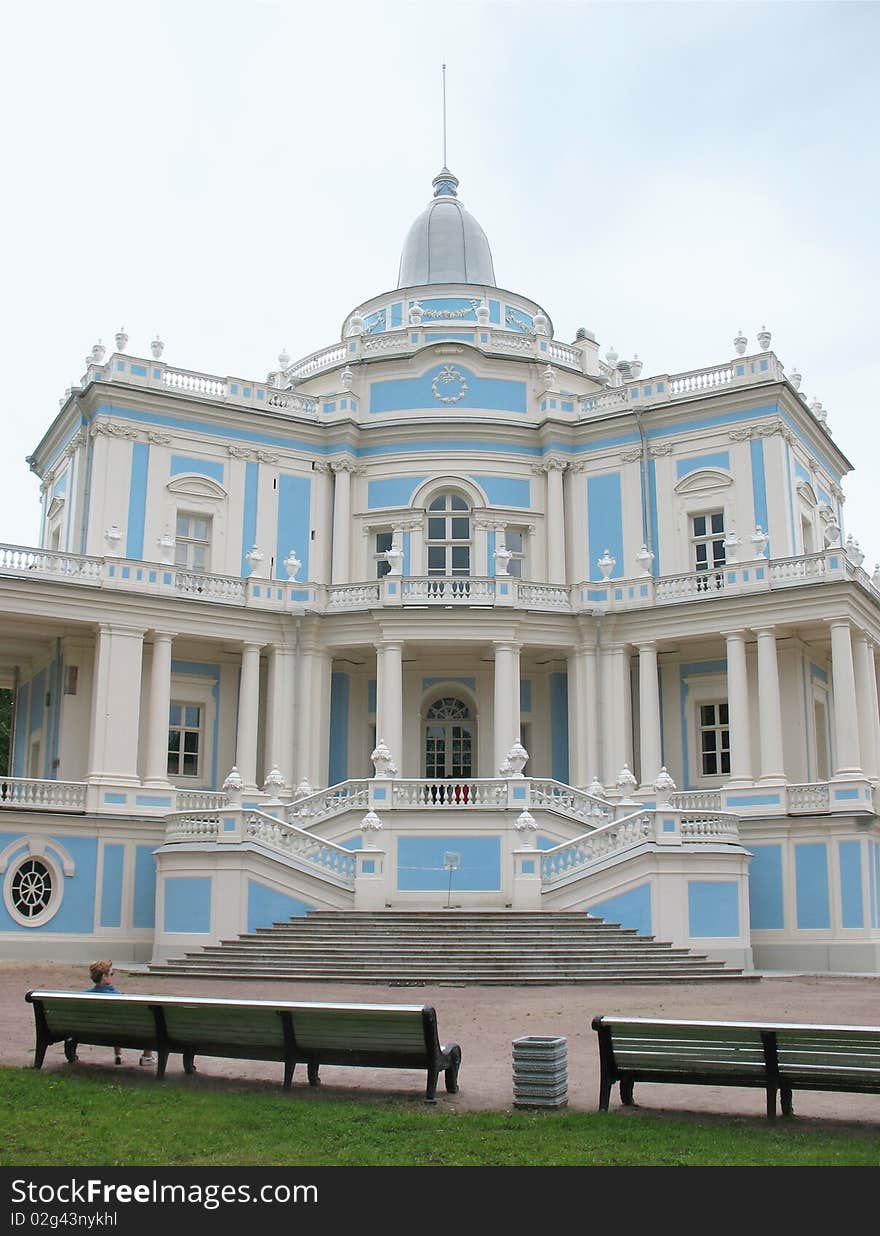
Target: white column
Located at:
point(590, 712)
point(280, 697)
point(506, 711)
point(555, 521)
point(248, 716)
point(769, 708)
point(322, 546)
point(312, 712)
point(158, 706)
point(739, 718)
point(617, 721)
point(847, 757)
point(875, 704)
point(342, 471)
point(577, 768)
point(649, 714)
point(866, 704)
point(116, 689)
point(389, 698)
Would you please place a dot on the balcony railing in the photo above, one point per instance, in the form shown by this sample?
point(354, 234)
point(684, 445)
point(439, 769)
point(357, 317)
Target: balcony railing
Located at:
point(33, 794)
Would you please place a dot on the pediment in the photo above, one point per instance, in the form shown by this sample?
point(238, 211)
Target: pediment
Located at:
point(806, 491)
point(193, 485)
point(704, 480)
point(56, 506)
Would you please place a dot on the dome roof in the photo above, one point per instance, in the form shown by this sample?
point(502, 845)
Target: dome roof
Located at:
point(445, 244)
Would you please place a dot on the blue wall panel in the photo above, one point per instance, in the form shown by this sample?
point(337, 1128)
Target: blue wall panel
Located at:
point(205, 467)
point(188, 904)
point(407, 394)
point(111, 886)
point(420, 864)
point(506, 490)
point(811, 894)
point(392, 491)
point(249, 518)
point(144, 912)
point(632, 909)
point(766, 908)
point(137, 500)
point(605, 522)
point(267, 906)
point(713, 908)
point(759, 487)
point(294, 520)
point(339, 702)
point(852, 911)
point(720, 459)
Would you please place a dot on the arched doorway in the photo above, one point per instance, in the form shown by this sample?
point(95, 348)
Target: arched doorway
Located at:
point(448, 739)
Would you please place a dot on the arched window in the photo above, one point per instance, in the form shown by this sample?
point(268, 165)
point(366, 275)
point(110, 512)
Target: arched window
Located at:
point(448, 739)
point(449, 536)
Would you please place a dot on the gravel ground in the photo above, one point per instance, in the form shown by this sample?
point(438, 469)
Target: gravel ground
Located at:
point(484, 1021)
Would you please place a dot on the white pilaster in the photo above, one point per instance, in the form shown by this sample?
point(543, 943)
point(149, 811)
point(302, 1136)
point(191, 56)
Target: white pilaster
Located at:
point(590, 712)
point(866, 702)
point(739, 717)
point(578, 772)
point(280, 697)
point(769, 709)
point(113, 738)
point(248, 716)
point(617, 719)
point(342, 471)
point(158, 705)
point(649, 714)
point(847, 756)
point(554, 469)
point(389, 697)
point(506, 718)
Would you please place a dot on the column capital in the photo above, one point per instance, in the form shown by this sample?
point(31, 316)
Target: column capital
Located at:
point(841, 621)
point(163, 636)
point(553, 463)
point(345, 465)
point(249, 645)
point(740, 633)
point(386, 645)
point(645, 645)
point(769, 629)
point(506, 645)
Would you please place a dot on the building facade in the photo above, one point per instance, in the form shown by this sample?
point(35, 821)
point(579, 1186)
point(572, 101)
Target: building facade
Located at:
point(450, 608)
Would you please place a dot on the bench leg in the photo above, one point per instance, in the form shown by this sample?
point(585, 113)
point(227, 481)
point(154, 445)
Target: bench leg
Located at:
point(431, 1089)
point(787, 1104)
point(626, 1092)
point(189, 1065)
point(289, 1066)
point(450, 1076)
point(314, 1079)
point(70, 1046)
point(771, 1102)
point(161, 1061)
point(605, 1086)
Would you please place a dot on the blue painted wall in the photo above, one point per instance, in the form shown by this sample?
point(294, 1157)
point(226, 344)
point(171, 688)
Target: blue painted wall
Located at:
point(605, 522)
point(759, 487)
point(766, 907)
point(76, 912)
point(420, 864)
point(506, 490)
point(249, 518)
point(137, 500)
point(339, 706)
point(720, 459)
point(265, 906)
point(632, 909)
point(144, 911)
point(294, 526)
point(392, 491)
point(407, 394)
point(111, 886)
point(852, 909)
point(811, 892)
point(713, 908)
point(188, 904)
point(559, 726)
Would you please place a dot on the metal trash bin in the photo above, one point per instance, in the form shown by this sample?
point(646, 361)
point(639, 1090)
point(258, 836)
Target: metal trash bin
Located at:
point(540, 1071)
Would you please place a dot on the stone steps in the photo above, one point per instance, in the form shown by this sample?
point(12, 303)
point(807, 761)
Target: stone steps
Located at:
point(455, 948)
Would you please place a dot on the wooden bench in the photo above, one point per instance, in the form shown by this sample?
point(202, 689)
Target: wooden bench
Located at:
point(389, 1036)
point(774, 1057)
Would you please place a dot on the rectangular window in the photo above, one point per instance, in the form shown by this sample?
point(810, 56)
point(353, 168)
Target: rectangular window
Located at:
point(192, 548)
point(714, 738)
point(515, 542)
point(383, 544)
point(184, 739)
point(707, 539)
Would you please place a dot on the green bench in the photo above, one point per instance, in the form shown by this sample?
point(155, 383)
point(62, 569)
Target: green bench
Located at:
point(391, 1036)
point(775, 1057)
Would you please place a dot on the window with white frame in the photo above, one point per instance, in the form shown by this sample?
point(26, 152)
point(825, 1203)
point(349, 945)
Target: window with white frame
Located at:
point(192, 542)
point(714, 739)
point(448, 540)
point(382, 543)
point(707, 539)
point(515, 543)
point(184, 739)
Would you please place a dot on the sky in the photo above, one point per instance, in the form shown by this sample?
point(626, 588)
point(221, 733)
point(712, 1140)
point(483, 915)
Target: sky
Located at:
point(237, 175)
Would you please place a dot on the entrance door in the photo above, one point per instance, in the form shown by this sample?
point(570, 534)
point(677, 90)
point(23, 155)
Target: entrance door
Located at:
point(448, 739)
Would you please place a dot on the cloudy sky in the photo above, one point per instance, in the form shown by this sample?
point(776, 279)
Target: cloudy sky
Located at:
point(236, 175)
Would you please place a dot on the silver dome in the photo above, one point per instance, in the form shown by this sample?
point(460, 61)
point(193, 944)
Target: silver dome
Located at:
point(445, 244)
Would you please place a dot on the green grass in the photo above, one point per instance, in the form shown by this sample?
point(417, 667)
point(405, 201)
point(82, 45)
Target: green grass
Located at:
point(79, 1118)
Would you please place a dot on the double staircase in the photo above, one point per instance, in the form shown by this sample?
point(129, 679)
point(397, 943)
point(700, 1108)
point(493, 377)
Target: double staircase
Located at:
point(457, 947)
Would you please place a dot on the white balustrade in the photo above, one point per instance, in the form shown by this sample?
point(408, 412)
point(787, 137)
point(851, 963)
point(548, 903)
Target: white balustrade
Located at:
point(797, 570)
point(330, 859)
point(324, 359)
point(507, 341)
point(570, 802)
point(544, 596)
point(211, 587)
point(36, 794)
point(19, 560)
point(809, 798)
point(391, 341)
point(192, 825)
point(195, 383)
point(564, 354)
point(352, 596)
point(708, 826)
point(200, 800)
point(464, 793)
point(697, 800)
point(574, 856)
point(290, 402)
point(693, 584)
point(447, 590)
point(608, 401)
point(324, 804)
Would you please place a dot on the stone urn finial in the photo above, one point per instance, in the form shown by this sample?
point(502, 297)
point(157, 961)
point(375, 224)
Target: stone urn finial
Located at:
point(255, 558)
point(606, 564)
point(370, 826)
point(121, 340)
point(292, 564)
point(645, 559)
point(283, 359)
point(303, 790)
point(875, 577)
point(113, 536)
point(541, 323)
point(347, 378)
point(596, 789)
point(394, 558)
point(763, 338)
point(166, 545)
point(527, 827)
point(274, 785)
point(626, 782)
point(795, 378)
point(233, 785)
point(759, 541)
point(636, 366)
point(549, 377)
point(383, 761)
point(501, 557)
point(665, 787)
point(98, 353)
point(740, 343)
point(157, 347)
point(612, 357)
point(853, 550)
point(516, 760)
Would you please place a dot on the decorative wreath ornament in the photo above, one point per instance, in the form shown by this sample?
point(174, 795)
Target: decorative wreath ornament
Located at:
point(446, 376)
